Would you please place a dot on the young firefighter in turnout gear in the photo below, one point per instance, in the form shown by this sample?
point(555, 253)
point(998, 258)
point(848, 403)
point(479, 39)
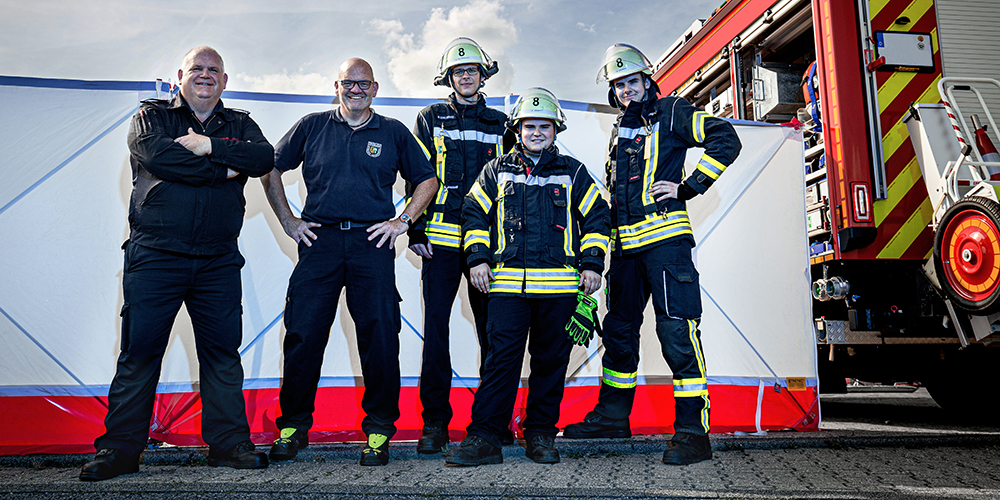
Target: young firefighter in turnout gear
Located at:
point(459, 137)
point(538, 218)
point(652, 241)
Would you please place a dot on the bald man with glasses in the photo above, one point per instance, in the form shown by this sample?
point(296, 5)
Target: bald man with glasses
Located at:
point(346, 234)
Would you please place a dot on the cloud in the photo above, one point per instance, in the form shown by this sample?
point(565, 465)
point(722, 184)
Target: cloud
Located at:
point(295, 83)
point(414, 58)
point(587, 29)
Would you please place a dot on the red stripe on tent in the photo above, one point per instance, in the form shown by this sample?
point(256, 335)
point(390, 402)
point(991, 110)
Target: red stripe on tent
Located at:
point(68, 424)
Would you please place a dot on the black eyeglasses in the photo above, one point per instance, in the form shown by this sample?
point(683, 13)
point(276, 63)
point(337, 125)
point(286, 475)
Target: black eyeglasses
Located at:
point(463, 71)
point(362, 84)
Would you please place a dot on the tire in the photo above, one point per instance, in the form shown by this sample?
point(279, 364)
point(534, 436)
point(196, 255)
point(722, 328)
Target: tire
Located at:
point(962, 381)
point(967, 255)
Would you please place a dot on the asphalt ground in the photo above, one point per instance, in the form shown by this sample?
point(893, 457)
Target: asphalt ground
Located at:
point(879, 446)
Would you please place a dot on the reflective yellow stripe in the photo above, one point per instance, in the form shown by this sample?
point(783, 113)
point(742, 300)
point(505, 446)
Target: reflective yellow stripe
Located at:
point(501, 235)
point(597, 240)
point(696, 343)
point(619, 379)
point(898, 188)
point(589, 200)
point(427, 153)
point(443, 240)
point(653, 229)
point(652, 157)
point(908, 232)
point(443, 233)
point(698, 126)
point(538, 281)
point(897, 135)
point(712, 168)
point(485, 202)
point(691, 387)
point(442, 193)
point(474, 236)
point(568, 230)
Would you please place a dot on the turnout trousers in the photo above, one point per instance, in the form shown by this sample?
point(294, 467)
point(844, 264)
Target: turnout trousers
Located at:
point(154, 284)
point(341, 258)
point(441, 277)
point(667, 274)
point(512, 322)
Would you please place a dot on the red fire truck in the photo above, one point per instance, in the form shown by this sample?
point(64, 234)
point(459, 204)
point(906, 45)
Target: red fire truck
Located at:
point(851, 74)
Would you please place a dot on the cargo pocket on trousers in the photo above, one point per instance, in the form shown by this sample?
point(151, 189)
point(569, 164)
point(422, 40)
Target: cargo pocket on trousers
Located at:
point(681, 293)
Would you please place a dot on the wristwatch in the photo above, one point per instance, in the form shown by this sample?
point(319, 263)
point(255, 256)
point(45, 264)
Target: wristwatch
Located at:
point(406, 219)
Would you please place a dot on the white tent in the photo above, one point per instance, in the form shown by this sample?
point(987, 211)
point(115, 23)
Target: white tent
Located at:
point(63, 217)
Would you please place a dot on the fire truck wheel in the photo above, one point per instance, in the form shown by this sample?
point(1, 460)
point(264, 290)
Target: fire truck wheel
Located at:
point(967, 254)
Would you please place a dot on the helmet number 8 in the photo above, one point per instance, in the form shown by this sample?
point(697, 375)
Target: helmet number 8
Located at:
point(619, 62)
point(534, 102)
point(461, 51)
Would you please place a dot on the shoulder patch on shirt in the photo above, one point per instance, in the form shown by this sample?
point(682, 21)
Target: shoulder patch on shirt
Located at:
point(374, 149)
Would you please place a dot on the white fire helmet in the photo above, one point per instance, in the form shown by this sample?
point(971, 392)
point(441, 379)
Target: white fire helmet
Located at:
point(537, 102)
point(622, 60)
point(464, 50)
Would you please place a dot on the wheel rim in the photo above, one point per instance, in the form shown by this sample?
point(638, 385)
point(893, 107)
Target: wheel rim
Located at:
point(971, 255)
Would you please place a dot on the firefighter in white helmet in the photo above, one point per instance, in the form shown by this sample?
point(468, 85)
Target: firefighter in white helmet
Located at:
point(536, 232)
point(652, 243)
point(459, 136)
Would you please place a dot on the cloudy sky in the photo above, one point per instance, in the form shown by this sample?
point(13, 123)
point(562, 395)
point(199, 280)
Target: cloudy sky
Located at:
point(297, 46)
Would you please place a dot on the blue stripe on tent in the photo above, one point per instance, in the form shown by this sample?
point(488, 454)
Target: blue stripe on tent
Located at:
point(261, 334)
point(275, 383)
point(745, 339)
point(56, 83)
point(68, 160)
point(40, 346)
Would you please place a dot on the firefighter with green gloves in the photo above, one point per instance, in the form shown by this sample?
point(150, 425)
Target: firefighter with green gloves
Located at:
point(652, 243)
point(459, 135)
point(536, 231)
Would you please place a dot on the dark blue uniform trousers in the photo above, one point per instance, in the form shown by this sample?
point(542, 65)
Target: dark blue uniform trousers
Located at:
point(337, 259)
point(666, 273)
point(513, 321)
point(441, 277)
point(154, 284)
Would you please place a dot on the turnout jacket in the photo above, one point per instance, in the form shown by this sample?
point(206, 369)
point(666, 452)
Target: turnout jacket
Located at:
point(649, 142)
point(538, 230)
point(182, 202)
point(458, 139)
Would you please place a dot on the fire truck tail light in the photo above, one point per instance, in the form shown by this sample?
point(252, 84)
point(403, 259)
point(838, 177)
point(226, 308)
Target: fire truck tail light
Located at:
point(862, 207)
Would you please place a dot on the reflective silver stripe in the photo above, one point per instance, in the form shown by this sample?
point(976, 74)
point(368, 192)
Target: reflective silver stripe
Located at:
point(672, 219)
point(632, 133)
point(690, 387)
point(468, 135)
point(533, 180)
point(444, 227)
point(620, 380)
point(443, 240)
point(659, 234)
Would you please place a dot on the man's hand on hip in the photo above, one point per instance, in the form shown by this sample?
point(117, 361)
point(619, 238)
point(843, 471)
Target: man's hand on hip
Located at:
point(387, 230)
point(298, 230)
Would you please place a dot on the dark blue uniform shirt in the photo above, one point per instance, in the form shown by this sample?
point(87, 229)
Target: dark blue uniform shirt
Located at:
point(349, 173)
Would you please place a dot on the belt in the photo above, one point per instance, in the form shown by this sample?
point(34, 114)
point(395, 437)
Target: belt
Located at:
point(346, 225)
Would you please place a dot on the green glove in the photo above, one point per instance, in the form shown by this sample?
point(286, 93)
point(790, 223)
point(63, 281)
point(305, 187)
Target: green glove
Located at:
point(583, 322)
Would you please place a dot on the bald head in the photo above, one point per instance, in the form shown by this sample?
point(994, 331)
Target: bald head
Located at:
point(203, 49)
point(356, 68)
